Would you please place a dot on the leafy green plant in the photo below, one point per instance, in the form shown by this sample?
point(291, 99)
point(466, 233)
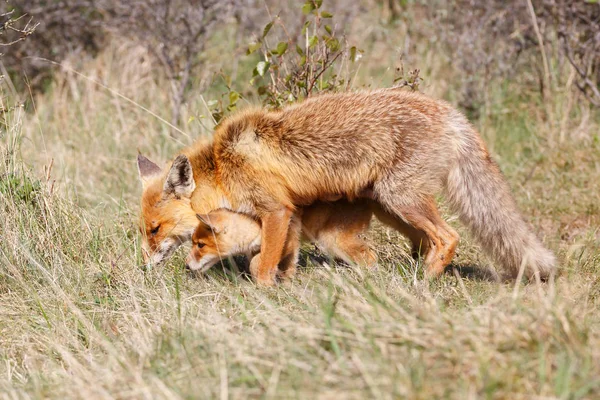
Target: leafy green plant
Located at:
point(292, 68)
point(18, 187)
point(410, 80)
point(227, 102)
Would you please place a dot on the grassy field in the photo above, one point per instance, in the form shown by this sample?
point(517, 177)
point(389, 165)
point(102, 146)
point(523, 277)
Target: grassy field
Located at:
point(79, 319)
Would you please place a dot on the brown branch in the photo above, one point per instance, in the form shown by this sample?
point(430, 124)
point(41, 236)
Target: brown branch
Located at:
point(9, 25)
point(584, 76)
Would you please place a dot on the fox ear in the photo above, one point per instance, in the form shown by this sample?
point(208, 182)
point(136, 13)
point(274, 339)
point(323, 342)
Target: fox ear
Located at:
point(147, 169)
point(180, 180)
point(205, 220)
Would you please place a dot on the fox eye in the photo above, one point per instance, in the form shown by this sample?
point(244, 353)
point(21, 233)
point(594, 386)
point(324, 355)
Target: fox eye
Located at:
point(201, 245)
point(154, 231)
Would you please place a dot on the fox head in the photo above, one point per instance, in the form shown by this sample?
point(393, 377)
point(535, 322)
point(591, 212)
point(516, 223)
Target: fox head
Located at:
point(222, 233)
point(167, 219)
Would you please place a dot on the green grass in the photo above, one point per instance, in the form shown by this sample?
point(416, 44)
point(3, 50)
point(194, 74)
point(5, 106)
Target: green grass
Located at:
point(80, 319)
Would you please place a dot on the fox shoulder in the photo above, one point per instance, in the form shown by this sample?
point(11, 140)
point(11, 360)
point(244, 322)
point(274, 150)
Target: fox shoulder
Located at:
point(250, 134)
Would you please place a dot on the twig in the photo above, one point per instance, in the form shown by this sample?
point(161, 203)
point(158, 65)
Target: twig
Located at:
point(540, 42)
point(582, 74)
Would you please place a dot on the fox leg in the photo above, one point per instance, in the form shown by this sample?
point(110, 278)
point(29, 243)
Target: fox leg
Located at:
point(274, 232)
point(418, 238)
point(347, 246)
point(441, 239)
point(335, 228)
point(289, 259)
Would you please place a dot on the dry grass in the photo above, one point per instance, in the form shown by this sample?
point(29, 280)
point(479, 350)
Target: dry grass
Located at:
point(78, 319)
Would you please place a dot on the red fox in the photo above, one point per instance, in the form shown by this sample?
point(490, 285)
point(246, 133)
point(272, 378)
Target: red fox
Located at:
point(397, 148)
point(169, 219)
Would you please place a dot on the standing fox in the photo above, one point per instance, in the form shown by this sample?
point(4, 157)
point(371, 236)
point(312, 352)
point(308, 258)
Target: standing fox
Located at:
point(399, 149)
point(169, 218)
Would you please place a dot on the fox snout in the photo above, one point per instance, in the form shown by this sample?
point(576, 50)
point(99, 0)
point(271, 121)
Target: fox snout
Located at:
point(152, 260)
point(160, 254)
point(200, 262)
point(189, 260)
point(193, 261)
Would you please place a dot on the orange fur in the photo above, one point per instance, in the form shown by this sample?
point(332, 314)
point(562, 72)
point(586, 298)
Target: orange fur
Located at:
point(398, 148)
point(335, 228)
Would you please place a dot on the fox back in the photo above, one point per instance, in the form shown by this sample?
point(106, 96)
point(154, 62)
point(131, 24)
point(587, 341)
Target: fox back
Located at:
point(334, 144)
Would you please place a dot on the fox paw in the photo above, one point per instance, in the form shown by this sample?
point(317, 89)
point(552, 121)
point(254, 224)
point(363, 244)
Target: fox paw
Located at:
point(262, 276)
point(285, 276)
point(367, 259)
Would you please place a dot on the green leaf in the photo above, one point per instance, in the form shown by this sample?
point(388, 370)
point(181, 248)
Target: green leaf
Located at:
point(281, 48)
point(252, 47)
point(305, 27)
point(267, 29)
point(302, 61)
point(217, 116)
point(227, 79)
point(355, 54)
point(326, 14)
point(233, 97)
point(233, 104)
point(333, 44)
point(312, 41)
point(318, 3)
point(328, 29)
point(308, 7)
point(299, 50)
point(262, 67)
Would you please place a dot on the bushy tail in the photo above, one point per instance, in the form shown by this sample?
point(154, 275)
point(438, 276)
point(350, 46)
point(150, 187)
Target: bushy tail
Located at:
point(478, 191)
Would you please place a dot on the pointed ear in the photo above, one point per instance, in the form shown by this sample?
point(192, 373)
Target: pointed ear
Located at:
point(180, 180)
point(147, 169)
point(207, 223)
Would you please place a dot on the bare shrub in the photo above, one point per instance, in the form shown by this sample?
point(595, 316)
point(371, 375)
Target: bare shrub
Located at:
point(72, 26)
point(492, 39)
point(14, 27)
point(577, 24)
point(175, 32)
